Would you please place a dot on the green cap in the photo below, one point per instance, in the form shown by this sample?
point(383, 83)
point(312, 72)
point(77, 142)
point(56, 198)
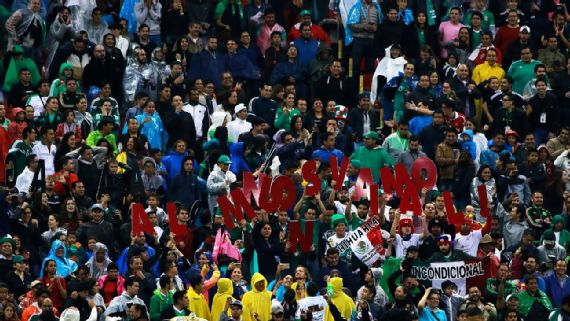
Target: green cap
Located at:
point(224, 159)
point(373, 135)
point(8, 239)
point(17, 49)
point(338, 218)
point(218, 212)
point(305, 13)
point(17, 259)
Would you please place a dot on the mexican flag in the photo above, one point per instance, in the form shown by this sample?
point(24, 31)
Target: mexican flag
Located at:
point(365, 242)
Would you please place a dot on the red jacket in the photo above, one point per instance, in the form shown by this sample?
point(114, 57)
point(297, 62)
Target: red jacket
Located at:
point(62, 189)
point(318, 34)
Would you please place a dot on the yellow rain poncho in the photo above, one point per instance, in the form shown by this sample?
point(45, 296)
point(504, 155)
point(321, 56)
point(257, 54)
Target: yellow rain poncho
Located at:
point(198, 304)
point(225, 291)
point(258, 301)
point(343, 302)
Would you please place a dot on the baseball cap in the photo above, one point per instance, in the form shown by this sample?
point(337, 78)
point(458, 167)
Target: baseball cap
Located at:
point(238, 108)
point(364, 94)
point(224, 159)
point(237, 302)
point(305, 13)
point(35, 282)
point(97, 207)
point(372, 135)
point(524, 28)
point(276, 308)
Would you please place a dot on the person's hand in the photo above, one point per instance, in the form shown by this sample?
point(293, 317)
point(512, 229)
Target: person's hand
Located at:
point(139, 274)
point(288, 245)
point(215, 267)
point(227, 304)
point(471, 87)
point(74, 295)
point(91, 304)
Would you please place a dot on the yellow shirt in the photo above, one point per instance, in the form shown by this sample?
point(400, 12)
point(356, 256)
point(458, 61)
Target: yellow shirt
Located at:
point(484, 71)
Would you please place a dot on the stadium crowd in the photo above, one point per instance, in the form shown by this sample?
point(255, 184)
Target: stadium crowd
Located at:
point(110, 103)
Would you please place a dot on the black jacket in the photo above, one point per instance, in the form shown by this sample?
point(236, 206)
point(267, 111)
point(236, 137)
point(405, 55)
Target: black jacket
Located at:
point(181, 126)
point(356, 121)
point(184, 189)
point(430, 137)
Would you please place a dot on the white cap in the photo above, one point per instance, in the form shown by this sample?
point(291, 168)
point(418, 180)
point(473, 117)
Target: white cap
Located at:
point(238, 108)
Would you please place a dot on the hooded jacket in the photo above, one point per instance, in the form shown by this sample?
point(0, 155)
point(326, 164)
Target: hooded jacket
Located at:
point(158, 303)
point(58, 85)
point(198, 304)
point(343, 302)
point(258, 301)
point(468, 144)
point(94, 271)
point(225, 291)
point(64, 266)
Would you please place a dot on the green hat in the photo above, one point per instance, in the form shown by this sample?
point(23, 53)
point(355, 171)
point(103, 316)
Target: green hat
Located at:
point(373, 135)
point(224, 159)
point(17, 259)
point(338, 218)
point(17, 49)
point(355, 163)
point(8, 239)
point(218, 212)
point(214, 142)
point(305, 13)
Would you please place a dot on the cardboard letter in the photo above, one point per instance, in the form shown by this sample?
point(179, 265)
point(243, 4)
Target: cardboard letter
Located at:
point(140, 221)
point(483, 201)
point(283, 190)
point(237, 208)
point(453, 217)
point(177, 229)
point(374, 210)
point(395, 183)
point(421, 164)
point(296, 236)
point(363, 184)
point(410, 201)
point(309, 171)
point(252, 188)
point(339, 174)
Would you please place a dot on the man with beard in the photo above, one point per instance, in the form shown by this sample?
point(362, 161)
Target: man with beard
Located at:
point(429, 245)
point(467, 240)
point(99, 69)
point(139, 76)
point(446, 253)
point(209, 63)
point(474, 297)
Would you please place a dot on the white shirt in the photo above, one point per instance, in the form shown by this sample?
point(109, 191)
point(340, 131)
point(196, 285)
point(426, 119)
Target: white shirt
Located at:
point(24, 181)
point(315, 304)
point(340, 208)
point(198, 113)
point(237, 127)
point(47, 154)
point(401, 245)
point(468, 243)
point(38, 102)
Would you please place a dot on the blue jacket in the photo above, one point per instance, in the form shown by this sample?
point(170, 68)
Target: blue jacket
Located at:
point(306, 50)
point(238, 159)
point(324, 155)
point(64, 266)
point(468, 143)
point(153, 130)
point(286, 69)
point(184, 189)
point(554, 291)
point(206, 65)
point(241, 67)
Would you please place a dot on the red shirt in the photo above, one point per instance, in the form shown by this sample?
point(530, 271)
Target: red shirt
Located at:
point(54, 294)
point(318, 34)
point(457, 122)
point(505, 36)
point(62, 189)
